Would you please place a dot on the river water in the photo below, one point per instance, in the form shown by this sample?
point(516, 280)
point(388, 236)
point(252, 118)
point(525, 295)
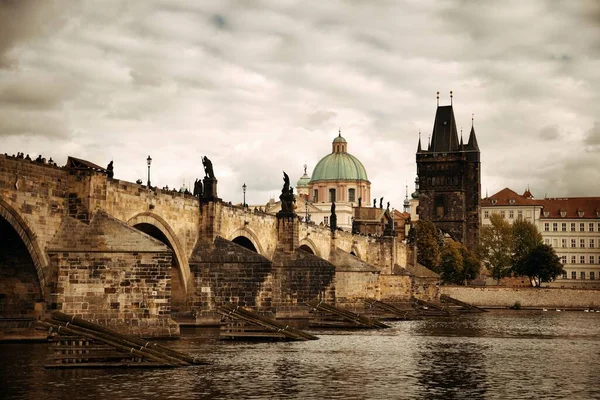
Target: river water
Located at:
point(496, 355)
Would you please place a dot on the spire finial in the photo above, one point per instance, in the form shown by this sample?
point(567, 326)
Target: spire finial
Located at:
point(451, 97)
point(305, 166)
point(339, 132)
point(438, 98)
point(472, 118)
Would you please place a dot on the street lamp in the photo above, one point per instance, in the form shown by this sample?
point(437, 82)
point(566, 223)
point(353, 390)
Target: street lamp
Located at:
point(149, 161)
point(244, 189)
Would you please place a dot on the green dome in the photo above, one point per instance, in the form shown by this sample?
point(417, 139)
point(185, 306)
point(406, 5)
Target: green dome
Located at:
point(303, 181)
point(339, 166)
point(339, 139)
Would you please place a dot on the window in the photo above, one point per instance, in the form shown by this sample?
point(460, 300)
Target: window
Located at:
point(581, 227)
point(581, 259)
point(332, 198)
point(546, 227)
point(592, 275)
point(573, 275)
point(503, 214)
point(582, 243)
point(592, 259)
point(486, 214)
point(591, 227)
point(582, 275)
point(547, 242)
point(555, 242)
point(511, 214)
point(592, 243)
point(598, 227)
point(564, 276)
point(440, 206)
point(555, 227)
point(564, 227)
point(572, 226)
point(573, 243)
point(573, 258)
point(563, 243)
point(351, 195)
point(316, 195)
point(520, 214)
point(563, 259)
point(326, 220)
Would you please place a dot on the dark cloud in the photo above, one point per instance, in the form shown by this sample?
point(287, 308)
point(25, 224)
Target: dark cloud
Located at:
point(263, 86)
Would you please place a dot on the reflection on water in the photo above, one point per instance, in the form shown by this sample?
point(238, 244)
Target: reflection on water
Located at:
point(497, 355)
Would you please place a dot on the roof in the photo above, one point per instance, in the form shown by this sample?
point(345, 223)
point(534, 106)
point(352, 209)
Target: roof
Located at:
point(339, 166)
point(508, 197)
point(339, 139)
point(78, 163)
point(303, 181)
point(589, 207)
point(444, 137)
point(472, 145)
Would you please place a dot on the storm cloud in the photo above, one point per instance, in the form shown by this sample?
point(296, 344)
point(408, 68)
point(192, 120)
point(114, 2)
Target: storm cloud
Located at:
point(263, 86)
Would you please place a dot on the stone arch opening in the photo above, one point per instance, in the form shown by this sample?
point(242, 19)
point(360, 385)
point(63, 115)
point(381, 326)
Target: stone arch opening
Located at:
point(247, 238)
point(307, 249)
point(156, 227)
point(21, 287)
point(245, 242)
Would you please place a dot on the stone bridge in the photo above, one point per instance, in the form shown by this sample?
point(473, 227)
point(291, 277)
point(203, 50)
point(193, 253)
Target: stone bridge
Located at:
point(134, 257)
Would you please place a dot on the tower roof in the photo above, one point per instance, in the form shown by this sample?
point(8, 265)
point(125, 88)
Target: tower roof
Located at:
point(444, 137)
point(472, 145)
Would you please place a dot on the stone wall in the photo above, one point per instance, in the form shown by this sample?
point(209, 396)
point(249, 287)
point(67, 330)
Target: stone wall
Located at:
point(528, 297)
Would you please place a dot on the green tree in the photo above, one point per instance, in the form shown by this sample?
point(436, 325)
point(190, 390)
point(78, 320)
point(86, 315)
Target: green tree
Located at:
point(495, 247)
point(525, 238)
point(425, 236)
point(471, 265)
point(542, 265)
point(458, 265)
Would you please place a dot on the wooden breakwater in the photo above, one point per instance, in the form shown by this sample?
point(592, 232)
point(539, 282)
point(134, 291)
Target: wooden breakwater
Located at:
point(77, 343)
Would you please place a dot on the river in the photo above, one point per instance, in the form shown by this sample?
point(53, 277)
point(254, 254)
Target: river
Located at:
point(496, 355)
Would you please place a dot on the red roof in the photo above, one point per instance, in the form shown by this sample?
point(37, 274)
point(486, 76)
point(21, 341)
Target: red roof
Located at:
point(507, 197)
point(572, 207)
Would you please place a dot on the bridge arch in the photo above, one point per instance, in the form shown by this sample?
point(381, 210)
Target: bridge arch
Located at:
point(249, 235)
point(158, 228)
point(309, 246)
point(22, 249)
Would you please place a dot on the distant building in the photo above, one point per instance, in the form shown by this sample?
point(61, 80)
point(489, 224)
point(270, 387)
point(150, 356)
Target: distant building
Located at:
point(571, 225)
point(449, 175)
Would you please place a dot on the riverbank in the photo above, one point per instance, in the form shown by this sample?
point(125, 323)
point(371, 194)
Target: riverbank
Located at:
point(529, 297)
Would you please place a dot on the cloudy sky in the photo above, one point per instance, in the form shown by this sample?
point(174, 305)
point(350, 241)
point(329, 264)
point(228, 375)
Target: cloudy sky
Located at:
point(263, 86)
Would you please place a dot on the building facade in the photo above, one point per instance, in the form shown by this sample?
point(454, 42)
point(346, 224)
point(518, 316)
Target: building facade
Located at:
point(571, 225)
point(449, 174)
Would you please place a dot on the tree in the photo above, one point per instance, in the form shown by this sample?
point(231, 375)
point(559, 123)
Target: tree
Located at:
point(457, 264)
point(425, 236)
point(542, 265)
point(495, 245)
point(526, 238)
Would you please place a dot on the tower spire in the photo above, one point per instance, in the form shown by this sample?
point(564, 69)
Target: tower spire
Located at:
point(438, 98)
point(419, 145)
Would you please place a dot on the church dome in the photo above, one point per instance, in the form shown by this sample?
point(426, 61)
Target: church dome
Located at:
point(339, 165)
point(304, 179)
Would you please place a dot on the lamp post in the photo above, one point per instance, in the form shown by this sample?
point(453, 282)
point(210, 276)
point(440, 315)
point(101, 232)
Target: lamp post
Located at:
point(244, 189)
point(149, 161)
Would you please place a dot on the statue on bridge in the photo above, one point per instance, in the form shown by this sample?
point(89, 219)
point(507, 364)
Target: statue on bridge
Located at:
point(381, 202)
point(287, 198)
point(360, 202)
point(333, 218)
point(208, 168)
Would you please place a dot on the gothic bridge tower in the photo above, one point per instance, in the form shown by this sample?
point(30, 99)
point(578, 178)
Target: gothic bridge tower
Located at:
point(449, 174)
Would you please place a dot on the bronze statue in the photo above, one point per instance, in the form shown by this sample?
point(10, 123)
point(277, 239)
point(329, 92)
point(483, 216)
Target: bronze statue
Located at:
point(110, 170)
point(381, 202)
point(208, 168)
point(286, 183)
point(388, 206)
point(360, 201)
point(374, 203)
point(287, 196)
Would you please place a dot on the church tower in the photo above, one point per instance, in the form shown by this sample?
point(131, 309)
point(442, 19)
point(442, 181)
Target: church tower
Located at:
point(449, 174)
